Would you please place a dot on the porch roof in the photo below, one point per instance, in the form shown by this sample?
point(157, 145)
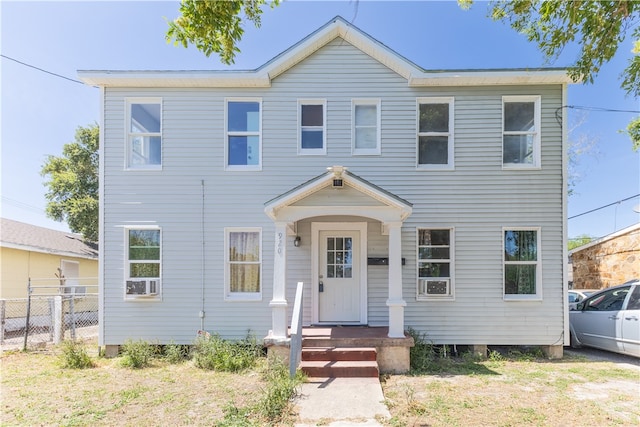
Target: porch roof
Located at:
point(375, 202)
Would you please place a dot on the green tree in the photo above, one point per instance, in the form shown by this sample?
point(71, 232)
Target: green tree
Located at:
point(597, 27)
point(72, 182)
point(581, 240)
point(214, 25)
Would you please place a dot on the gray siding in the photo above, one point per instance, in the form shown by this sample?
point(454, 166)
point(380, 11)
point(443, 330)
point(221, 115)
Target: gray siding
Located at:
point(477, 198)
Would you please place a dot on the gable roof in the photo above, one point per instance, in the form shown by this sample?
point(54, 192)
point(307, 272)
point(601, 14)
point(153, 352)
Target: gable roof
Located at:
point(338, 27)
point(376, 202)
point(19, 235)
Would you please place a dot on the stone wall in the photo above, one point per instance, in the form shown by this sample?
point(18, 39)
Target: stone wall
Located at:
point(608, 263)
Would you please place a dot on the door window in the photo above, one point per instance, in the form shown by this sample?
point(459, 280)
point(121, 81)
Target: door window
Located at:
point(339, 257)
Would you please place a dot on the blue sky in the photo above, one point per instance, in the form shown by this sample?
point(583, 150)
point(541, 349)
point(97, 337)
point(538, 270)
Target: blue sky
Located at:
point(40, 112)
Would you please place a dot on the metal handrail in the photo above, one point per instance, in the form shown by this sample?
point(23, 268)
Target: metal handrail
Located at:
point(295, 350)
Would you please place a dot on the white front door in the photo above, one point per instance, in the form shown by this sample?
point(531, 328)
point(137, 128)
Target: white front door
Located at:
point(339, 286)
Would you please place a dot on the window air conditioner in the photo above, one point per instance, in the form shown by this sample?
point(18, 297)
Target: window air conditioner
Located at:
point(143, 287)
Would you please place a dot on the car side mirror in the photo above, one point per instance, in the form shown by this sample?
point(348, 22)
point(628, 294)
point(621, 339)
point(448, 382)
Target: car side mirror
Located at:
point(580, 306)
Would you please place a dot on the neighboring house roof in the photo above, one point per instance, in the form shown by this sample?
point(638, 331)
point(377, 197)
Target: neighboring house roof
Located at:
point(18, 235)
point(337, 27)
point(628, 230)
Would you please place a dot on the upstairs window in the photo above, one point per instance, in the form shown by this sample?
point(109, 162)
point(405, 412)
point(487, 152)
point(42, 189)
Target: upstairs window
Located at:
point(435, 133)
point(435, 263)
point(244, 135)
point(243, 259)
point(144, 134)
point(312, 134)
point(143, 262)
point(521, 132)
point(366, 126)
point(522, 267)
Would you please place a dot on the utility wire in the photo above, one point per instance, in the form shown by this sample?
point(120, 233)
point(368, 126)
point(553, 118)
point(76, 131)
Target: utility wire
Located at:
point(607, 110)
point(42, 70)
point(605, 206)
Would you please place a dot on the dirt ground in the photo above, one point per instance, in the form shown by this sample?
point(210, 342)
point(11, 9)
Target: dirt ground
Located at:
point(574, 391)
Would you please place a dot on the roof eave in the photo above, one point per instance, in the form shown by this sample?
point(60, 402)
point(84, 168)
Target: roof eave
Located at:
point(108, 78)
point(489, 77)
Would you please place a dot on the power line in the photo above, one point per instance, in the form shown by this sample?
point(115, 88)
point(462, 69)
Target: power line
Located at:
point(23, 205)
point(605, 206)
point(42, 70)
point(606, 110)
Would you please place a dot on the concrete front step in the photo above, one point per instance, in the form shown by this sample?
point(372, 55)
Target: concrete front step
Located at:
point(334, 354)
point(337, 362)
point(340, 369)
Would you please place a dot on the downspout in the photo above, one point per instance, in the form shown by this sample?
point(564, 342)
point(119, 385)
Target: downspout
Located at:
point(203, 255)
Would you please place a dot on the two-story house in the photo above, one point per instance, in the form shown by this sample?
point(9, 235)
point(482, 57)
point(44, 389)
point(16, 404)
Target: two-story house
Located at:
point(401, 197)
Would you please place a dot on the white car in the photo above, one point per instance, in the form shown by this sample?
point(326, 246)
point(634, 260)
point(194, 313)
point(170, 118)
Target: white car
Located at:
point(609, 320)
point(577, 295)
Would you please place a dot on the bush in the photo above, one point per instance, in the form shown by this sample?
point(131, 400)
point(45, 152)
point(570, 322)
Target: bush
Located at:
point(176, 353)
point(137, 354)
point(422, 355)
point(214, 353)
point(74, 356)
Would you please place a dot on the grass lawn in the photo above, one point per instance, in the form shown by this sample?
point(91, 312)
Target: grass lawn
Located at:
point(516, 390)
point(501, 391)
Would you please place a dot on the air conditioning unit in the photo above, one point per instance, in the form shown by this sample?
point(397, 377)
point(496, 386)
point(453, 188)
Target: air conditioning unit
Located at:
point(435, 287)
point(143, 287)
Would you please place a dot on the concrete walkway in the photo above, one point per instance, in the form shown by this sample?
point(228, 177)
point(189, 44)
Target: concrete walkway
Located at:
point(341, 402)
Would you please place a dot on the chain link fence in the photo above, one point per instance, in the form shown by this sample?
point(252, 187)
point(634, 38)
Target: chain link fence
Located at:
point(52, 312)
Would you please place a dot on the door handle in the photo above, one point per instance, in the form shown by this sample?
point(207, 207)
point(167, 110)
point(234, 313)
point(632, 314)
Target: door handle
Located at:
point(631, 318)
point(320, 286)
point(613, 317)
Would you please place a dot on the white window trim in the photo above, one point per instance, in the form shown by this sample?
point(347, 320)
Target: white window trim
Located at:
point(240, 296)
point(158, 295)
point(313, 151)
point(129, 135)
point(451, 260)
point(366, 151)
point(537, 111)
point(243, 168)
point(538, 263)
point(451, 140)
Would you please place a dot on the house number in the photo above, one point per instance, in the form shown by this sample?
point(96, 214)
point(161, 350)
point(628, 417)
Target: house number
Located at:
point(279, 243)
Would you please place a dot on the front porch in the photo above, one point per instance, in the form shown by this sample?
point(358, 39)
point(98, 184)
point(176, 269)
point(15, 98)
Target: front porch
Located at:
point(391, 354)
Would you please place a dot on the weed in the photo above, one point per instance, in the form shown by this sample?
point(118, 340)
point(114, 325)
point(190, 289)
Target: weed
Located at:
point(214, 353)
point(280, 389)
point(236, 417)
point(176, 353)
point(525, 354)
point(422, 355)
point(74, 356)
point(137, 354)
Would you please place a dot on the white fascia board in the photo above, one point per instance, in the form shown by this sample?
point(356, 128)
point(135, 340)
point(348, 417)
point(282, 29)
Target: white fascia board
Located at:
point(108, 78)
point(281, 209)
point(28, 248)
point(489, 78)
point(340, 28)
point(273, 208)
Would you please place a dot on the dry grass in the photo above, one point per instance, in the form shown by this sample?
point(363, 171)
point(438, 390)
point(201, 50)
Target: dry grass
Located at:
point(512, 392)
point(503, 392)
point(36, 391)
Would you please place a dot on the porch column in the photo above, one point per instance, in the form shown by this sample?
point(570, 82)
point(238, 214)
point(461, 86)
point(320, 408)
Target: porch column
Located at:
point(395, 302)
point(278, 303)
